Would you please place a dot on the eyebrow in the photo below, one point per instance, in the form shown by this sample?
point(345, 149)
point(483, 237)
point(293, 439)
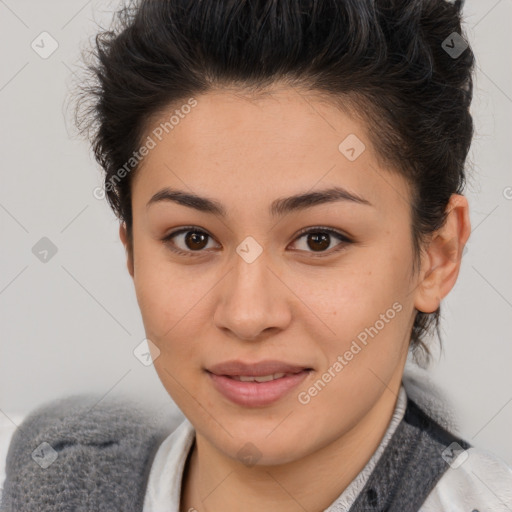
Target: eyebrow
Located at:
point(278, 207)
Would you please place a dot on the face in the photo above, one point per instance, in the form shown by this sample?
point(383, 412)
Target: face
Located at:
point(248, 285)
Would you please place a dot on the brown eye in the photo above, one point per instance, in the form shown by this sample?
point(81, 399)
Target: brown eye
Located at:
point(318, 240)
point(195, 240)
point(187, 241)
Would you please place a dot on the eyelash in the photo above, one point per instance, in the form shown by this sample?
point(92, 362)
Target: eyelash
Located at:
point(316, 229)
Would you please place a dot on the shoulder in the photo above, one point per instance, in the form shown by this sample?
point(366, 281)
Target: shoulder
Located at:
point(472, 478)
point(86, 444)
point(476, 480)
point(86, 420)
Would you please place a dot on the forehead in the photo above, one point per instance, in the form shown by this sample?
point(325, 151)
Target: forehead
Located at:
point(277, 144)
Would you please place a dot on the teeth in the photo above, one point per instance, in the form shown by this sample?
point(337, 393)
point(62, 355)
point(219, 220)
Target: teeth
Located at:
point(262, 378)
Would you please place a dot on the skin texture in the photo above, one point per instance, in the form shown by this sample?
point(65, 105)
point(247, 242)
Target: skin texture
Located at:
point(288, 304)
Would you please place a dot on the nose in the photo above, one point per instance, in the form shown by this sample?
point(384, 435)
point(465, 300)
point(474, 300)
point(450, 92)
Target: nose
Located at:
point(253, 302)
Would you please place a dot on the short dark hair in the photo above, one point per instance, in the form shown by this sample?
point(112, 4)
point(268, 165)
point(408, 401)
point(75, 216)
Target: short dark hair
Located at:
point(385, 59)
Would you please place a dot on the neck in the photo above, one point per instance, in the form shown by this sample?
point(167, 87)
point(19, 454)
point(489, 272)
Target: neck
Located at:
point(213, 482)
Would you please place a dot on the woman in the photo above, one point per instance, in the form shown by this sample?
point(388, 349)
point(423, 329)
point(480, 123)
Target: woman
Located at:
point(289, 176)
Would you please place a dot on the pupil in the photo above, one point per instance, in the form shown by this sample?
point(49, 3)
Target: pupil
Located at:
point(194, 238)
point(324, 240)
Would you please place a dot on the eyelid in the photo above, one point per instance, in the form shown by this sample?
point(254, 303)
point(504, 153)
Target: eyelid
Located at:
point(167, 239)
point(323, 229)
point(344, 239)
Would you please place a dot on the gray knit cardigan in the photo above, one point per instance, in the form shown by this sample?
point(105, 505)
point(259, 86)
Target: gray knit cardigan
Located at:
point(84, 454)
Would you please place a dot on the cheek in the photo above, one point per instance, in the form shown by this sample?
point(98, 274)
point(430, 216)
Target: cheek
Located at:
point(156, 301)
point(367, 310)
point(173, 308)
point(354, 296)
point(158, 290)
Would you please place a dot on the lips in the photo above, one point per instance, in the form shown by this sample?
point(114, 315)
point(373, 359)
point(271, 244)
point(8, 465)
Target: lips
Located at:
point(257, 394)
point(236, 368)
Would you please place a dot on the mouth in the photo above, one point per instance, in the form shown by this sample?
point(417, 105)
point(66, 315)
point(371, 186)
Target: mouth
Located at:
point(259, 384)
point(263, 370)
point(260, 378)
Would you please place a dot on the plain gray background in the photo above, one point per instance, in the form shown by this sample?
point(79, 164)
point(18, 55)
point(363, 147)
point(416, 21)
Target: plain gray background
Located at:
point(70, 325)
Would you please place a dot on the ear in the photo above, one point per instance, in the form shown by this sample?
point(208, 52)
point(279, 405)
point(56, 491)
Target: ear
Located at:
point(441, 261)
point(129, 250)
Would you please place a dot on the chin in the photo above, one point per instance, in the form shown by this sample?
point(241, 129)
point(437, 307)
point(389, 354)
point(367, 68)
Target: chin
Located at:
point(253, 454)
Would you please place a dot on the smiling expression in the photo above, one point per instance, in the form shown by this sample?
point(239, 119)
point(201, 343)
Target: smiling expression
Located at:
point(224, 271)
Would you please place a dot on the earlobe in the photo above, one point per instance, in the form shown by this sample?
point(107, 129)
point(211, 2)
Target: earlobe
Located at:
point(442, 258)
point(123, 235)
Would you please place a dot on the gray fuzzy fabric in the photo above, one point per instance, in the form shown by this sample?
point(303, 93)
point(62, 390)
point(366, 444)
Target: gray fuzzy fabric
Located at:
point(98, 456)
